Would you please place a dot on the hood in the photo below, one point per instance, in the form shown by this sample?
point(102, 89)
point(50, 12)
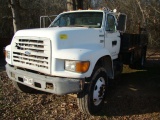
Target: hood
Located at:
point(66, 37)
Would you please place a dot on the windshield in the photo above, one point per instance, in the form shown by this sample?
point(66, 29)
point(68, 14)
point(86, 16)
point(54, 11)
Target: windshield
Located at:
point(79, 19)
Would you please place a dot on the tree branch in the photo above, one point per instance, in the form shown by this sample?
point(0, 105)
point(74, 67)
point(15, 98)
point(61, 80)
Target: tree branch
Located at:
point(138, 2)
point(20, 6)
point(154, 9)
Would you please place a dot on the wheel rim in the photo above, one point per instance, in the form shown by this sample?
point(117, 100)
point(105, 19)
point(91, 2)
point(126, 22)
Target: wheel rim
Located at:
point(99, 90)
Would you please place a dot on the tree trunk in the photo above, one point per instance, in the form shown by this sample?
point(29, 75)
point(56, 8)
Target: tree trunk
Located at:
point(69, 5)
point(74, 4)
point(15, 13)
point(79, 4)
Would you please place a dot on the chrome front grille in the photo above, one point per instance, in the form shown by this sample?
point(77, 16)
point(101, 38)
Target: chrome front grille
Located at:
point(32, 53)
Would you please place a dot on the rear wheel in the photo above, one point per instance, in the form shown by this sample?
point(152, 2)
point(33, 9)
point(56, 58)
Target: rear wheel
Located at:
point(22, 88)
point(139, 61)
point(142, 59)
point(91, 99)
point(132, 62)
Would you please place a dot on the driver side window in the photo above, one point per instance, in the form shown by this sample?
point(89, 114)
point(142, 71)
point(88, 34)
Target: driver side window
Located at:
point(110, 23)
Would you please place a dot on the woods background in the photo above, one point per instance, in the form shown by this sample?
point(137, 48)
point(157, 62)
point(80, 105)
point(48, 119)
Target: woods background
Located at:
point(141, 14)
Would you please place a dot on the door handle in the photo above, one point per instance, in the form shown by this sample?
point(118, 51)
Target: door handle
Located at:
point(114, 43)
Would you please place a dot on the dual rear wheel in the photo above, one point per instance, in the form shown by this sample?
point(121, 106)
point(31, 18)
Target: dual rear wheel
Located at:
point(138, 62)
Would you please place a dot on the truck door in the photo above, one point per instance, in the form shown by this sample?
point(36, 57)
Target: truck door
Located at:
point(112, 36)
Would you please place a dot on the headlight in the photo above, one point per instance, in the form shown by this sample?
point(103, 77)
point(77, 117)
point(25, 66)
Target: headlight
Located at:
point(7, 54)
point(77, 66)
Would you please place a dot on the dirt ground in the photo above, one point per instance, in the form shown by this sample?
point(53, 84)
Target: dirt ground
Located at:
point(135, 95)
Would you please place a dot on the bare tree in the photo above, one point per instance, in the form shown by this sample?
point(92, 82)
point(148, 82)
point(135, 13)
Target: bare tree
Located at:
point(74, 4)
point(26, 13)
point(142, 11)
point(14, 5)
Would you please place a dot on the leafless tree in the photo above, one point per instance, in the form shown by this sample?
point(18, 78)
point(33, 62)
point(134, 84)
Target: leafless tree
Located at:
point(74, 4)
point(14, 5)
point(26, 13)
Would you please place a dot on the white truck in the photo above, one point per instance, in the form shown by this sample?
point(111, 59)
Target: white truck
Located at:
point(77, 54)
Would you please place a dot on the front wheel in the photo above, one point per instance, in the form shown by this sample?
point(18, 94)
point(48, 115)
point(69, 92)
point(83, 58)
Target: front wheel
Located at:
point(91, 99)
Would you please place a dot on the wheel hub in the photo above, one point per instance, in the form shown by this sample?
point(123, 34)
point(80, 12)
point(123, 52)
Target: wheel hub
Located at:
point(99, 90)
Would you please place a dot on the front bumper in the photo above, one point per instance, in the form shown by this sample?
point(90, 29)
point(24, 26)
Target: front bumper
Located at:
point(51, 84)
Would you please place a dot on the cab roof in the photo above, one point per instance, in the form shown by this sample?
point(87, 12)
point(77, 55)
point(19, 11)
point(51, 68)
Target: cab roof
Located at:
point(103, 10)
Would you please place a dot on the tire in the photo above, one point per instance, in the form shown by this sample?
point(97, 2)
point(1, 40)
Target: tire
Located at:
point(131, 61)
point(23, 88)
point(140, 63)
point(142, 60)
point(91, 99)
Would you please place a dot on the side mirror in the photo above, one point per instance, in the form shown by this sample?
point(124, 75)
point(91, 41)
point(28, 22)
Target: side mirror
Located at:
point(122, 20)
point(45, 21)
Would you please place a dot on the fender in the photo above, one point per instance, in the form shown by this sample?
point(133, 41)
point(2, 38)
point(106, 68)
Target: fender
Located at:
point(90, 53)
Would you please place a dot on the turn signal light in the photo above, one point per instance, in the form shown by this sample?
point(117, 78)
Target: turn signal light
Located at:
point(82, 66)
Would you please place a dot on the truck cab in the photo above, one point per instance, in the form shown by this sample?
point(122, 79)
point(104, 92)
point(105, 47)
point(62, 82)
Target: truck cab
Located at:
point(78, 53)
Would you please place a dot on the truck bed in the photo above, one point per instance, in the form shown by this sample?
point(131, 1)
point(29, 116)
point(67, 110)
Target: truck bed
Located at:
point(130, 42)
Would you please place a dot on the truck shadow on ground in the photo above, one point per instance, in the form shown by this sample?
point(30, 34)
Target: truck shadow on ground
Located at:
point(135, 93)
